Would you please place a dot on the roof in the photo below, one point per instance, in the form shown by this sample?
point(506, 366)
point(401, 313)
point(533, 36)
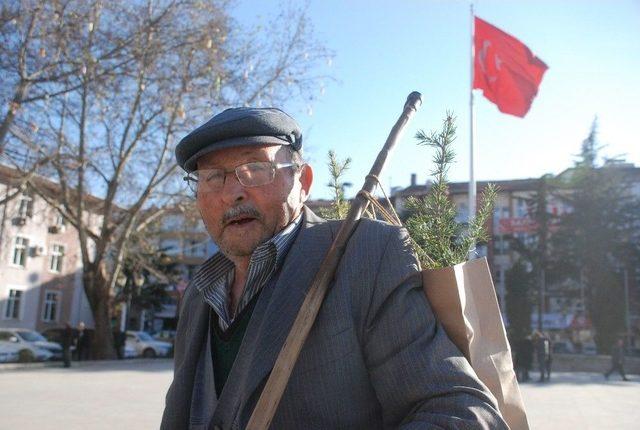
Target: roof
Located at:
point(13, 177)
point(510, 185)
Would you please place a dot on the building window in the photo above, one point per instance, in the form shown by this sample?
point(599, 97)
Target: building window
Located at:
point(20, 250)
point(51, 306)
point(60, 221)
point(172, 222)
point(522, 208)
point(25, 207)
point(481, 251)
point(57, 256)
point(197, 248)
point(462, 215)
point(14, 301)
point(170, 246)
point(497, 278)
point(501, 246)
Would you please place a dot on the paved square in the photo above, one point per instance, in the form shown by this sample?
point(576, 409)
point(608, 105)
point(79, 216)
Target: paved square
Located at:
point(128, 395)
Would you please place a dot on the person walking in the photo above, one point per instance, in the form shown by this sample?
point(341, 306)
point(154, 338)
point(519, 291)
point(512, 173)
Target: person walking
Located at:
point(83, 343)
point(523, 349)
point(617, 360)
point(527, 358)
point(119, 340)
point(543, 355)
point(67, 341)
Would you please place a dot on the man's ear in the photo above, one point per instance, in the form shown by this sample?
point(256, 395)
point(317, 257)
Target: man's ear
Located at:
point(306, 179)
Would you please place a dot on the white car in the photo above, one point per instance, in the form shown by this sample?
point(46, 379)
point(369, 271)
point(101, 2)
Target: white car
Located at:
point(11, 343)
point(146, 346)
point(130, 352)
point(9, 352)
point(35, 339)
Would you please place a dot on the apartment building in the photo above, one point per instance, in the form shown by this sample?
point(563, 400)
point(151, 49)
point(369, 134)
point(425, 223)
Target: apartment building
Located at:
point(40, 263)
point(181, 237)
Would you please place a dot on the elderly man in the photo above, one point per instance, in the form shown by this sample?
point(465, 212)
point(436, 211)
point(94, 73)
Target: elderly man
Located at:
point(375, 358)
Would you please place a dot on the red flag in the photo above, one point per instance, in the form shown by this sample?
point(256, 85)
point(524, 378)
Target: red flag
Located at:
point(505, 69)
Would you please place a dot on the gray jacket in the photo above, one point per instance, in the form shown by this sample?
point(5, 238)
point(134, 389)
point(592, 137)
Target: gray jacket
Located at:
point(375, 358)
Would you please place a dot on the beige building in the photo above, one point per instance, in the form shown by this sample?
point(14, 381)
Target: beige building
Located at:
point(40, 263)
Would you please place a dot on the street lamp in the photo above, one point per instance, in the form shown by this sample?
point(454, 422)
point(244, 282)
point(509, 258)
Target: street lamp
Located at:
point(138, 282)
point(123, 282)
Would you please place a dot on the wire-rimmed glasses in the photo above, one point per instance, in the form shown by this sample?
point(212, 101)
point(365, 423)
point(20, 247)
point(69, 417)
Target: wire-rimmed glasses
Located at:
point(252, 174)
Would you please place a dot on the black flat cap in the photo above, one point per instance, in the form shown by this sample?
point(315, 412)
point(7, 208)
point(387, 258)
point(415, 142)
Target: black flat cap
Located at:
point(238, 127)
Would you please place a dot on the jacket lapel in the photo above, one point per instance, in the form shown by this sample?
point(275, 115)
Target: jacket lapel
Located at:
point(274, 314)
point(193, 372)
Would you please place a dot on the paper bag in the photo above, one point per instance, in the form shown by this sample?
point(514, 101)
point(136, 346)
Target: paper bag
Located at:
point(464, 301)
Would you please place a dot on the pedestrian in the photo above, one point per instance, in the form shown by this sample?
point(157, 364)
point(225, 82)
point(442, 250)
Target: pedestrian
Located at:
point(83, 342)
point(617, 360)
point(543, 355)
point(375, 358)
point(524, 358)
point(67, 341)
point(119, 340)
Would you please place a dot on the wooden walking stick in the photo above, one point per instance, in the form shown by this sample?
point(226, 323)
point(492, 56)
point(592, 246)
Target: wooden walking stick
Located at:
point(272, 393)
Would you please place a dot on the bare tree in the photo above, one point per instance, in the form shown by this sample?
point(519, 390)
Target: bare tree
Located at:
point(142, 74)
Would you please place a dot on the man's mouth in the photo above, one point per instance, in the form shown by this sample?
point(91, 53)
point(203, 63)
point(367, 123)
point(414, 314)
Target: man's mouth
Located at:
point(240, 216)
point(240, 221)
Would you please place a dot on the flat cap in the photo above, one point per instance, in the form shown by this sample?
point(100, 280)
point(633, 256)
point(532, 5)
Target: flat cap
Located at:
point(238, 127)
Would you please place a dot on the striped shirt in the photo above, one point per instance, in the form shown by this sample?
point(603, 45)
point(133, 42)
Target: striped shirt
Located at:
point(216, 275)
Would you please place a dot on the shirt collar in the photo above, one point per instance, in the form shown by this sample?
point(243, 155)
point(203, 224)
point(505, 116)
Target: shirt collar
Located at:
point(219, 265)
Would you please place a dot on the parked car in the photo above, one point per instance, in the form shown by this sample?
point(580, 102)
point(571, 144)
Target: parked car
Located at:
point(146, 346)
point(130, 352)
point(589, 349)
point(9, 352)
point(165, 336)
point(563, 347)
point(27, 351)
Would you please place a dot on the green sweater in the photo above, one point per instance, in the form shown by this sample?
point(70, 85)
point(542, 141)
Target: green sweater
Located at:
point(225, 345)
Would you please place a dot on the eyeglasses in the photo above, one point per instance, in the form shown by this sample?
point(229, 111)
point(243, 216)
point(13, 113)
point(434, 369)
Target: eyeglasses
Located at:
point(249, 175)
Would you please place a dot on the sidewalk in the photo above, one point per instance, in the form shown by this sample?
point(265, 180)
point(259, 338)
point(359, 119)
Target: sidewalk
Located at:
point(582, 400)
point(129, 395)
point(91, 395)
point(81, 364)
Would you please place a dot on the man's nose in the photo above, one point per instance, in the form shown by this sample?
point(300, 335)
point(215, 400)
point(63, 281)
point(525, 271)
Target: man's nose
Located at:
point(232, 190)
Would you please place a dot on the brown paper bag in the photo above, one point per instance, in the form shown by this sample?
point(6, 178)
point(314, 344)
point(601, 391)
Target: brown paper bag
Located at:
point(464, 301)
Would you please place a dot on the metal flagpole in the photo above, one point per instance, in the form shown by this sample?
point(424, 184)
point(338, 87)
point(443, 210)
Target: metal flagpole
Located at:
point(472, 127)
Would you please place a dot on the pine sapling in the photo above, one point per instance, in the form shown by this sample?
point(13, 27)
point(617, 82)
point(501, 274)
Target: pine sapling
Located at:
point(339, 206)
point(438, 239)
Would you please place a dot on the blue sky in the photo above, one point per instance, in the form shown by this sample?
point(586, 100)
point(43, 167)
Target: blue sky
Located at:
point(386, 49)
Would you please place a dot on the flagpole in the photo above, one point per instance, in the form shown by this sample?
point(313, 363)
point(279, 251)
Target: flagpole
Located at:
point(472, 128)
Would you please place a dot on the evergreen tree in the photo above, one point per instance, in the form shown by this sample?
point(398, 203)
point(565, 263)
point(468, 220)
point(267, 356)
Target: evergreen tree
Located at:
point(520, 285)
point(533, 254)
point(598, 237)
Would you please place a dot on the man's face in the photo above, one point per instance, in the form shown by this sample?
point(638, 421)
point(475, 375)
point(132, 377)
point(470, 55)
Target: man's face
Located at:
point(239, 218)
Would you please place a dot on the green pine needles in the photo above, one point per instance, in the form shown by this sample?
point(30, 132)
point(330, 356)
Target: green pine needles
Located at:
point(439, 240)
point(339, 206)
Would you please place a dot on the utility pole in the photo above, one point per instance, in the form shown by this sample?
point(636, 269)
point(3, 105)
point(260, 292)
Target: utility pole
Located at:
point(541, 288)
point(627, 323)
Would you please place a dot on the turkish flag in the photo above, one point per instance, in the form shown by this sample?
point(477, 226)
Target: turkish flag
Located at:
point(505, 69)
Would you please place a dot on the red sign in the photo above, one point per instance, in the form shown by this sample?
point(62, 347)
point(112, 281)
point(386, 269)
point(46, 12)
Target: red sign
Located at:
point(517, 225)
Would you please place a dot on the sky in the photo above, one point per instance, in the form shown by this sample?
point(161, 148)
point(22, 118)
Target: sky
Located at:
point(386, 49)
